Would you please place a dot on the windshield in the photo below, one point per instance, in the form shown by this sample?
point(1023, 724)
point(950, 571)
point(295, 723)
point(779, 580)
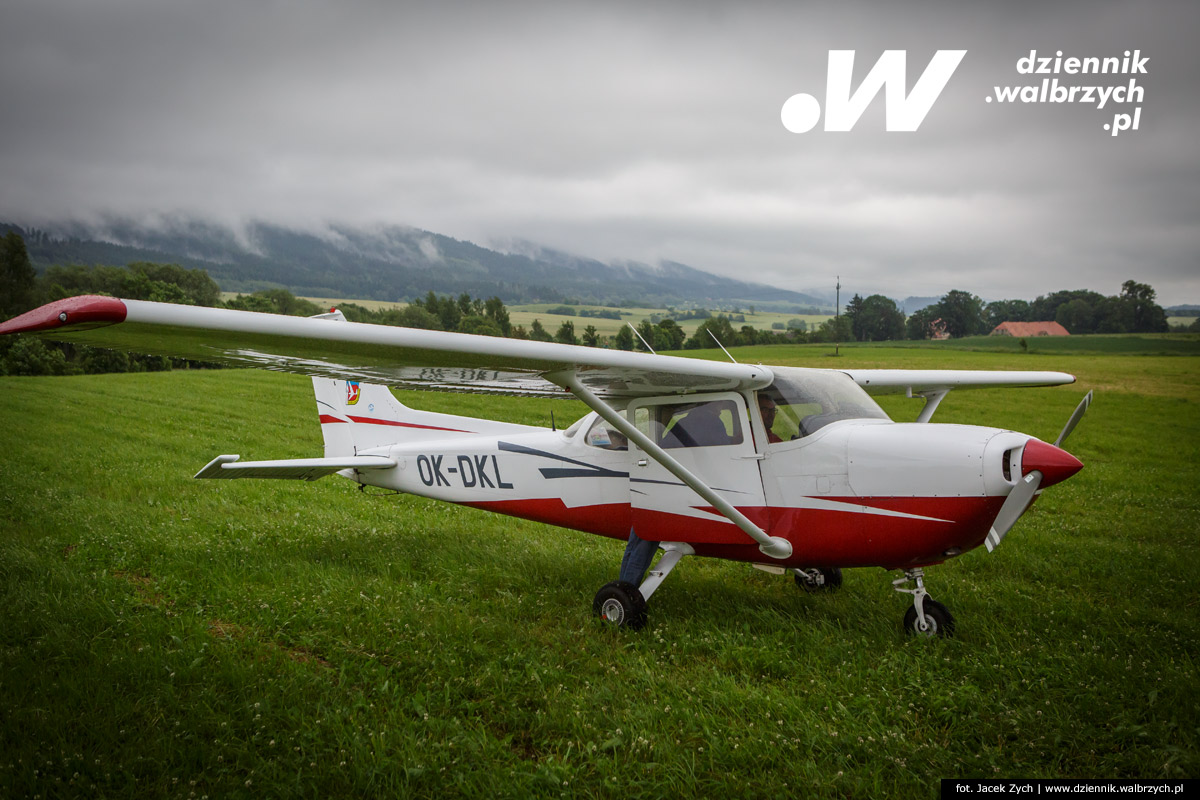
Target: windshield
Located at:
point(808, 400)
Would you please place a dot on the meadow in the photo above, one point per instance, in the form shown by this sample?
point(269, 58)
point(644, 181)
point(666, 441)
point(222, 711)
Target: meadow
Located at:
point(525, 315)
point(169, 637)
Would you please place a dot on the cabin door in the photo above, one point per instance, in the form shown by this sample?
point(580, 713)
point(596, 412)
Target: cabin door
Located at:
point(709, 434)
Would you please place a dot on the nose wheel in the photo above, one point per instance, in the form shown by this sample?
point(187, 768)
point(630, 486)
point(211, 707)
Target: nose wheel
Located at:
point(926, 616)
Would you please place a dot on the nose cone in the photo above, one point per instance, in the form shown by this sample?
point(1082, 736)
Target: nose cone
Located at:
point(1054, 463)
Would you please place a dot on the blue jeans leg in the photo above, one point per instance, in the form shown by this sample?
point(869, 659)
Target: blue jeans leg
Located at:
point(638, 555)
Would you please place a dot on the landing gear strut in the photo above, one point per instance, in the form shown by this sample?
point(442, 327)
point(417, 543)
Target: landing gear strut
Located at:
point(623, 604)
point(926, 616)
point(819, 579)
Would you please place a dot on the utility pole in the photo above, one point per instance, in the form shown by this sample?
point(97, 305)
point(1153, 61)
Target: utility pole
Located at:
point(837, 318)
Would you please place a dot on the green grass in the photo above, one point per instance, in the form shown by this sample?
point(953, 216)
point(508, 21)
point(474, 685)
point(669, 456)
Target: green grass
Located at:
point(762, 320)
point(170, 637)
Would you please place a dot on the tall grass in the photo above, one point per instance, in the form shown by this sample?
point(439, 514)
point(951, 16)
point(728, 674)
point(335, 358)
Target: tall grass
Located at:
point(169, 637)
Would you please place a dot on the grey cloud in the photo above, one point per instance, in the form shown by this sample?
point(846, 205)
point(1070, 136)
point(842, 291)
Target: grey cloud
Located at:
point(617, 132)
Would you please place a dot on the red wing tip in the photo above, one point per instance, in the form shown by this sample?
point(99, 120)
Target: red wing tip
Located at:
point(73, 312)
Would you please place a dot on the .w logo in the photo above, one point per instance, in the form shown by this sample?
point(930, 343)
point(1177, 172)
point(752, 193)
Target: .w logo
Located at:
point(801, 112)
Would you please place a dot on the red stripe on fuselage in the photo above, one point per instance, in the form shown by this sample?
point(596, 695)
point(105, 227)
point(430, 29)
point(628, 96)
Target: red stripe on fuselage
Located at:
point(850, 537)
point(398, 424)
point(608, 519)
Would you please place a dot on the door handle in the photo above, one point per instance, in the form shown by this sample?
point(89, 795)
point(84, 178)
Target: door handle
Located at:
point(641, 462)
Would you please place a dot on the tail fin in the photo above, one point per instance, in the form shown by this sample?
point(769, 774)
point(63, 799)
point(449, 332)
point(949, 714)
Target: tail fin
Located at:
point(357, 417)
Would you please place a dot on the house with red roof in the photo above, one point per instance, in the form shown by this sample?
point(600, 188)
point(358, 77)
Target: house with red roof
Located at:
point(1027, 329)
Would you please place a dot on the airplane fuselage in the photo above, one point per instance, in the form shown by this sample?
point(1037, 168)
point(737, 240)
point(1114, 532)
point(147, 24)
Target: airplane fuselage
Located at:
point(855, 493)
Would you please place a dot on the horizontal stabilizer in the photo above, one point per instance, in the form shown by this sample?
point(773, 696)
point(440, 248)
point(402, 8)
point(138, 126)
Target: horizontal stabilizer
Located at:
point(301, 469)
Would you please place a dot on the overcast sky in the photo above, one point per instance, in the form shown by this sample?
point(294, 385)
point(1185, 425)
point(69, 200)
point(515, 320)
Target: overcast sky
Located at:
point(623, 131)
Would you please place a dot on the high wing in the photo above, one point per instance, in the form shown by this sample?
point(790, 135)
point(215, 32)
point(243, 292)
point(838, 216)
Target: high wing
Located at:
point(926, 381)
point(437, 360)
point(381, 354)
point(935, 384)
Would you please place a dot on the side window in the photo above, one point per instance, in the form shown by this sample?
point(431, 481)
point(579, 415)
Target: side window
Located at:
point(606, 437)
point(711, 423)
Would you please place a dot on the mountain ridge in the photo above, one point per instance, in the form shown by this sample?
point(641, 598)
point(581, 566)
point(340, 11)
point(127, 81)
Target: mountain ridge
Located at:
point(391, 263)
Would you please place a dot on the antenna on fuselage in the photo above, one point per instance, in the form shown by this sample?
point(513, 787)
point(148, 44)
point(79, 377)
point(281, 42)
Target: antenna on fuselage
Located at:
point(635, 333)
point(553, 427)
point(718, 341)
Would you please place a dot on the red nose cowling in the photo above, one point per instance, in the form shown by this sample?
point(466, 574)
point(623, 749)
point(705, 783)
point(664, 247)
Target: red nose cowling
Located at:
point(1054, 463)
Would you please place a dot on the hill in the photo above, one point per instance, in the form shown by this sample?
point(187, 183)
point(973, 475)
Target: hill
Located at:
point(394, 263)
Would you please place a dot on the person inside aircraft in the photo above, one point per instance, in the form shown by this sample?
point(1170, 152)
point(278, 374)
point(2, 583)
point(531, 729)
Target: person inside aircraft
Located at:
point(766, 407)
point(602, 436)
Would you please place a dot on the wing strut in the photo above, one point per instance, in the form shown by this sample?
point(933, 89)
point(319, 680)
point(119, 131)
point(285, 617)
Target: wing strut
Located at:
point(773, 546)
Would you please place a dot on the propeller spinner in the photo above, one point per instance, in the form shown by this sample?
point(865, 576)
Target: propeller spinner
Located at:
point(1041, 465)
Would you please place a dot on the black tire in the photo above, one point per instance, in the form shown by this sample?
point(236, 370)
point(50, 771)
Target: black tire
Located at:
point(831, 580)
point(941, 621)
point(621, 604)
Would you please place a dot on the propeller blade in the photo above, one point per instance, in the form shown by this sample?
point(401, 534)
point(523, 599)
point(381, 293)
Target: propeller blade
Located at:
point(1080, 410)
point(1018, 500)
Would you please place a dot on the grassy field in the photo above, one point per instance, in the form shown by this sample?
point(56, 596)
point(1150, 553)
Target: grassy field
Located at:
point(177, 638)
point(526, 314)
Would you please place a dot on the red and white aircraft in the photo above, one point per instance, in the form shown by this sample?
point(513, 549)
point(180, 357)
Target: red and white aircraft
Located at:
point(789, 469)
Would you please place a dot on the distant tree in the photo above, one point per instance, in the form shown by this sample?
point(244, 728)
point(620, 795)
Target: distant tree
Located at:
point(1000, 311)
point(854, 316)
point(566, 333)
point(1045, 308)
point(494, 309)
point(918, 322)
point(875, 319)
point(591, 337)
point(412, 316)
point(538, 333)
point(623, 340)
point(718, 327)
point(1077, 316)
point(646, 338)
point(479, 325)
point(962, 312)
point(1148, 316)
point(669, 335)
point(834, 329)
point(28, 355)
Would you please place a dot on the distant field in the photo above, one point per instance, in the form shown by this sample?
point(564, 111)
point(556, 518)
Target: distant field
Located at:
point(170, 637)
point(526, 314)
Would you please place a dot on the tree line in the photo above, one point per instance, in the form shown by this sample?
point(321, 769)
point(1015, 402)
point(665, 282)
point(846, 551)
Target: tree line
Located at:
point(959, 313)
point(870, 319)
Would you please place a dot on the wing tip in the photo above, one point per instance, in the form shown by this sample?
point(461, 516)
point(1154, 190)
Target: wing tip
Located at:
point(72, 312)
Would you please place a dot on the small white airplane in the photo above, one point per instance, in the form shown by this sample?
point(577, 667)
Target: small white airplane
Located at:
point(789, 469)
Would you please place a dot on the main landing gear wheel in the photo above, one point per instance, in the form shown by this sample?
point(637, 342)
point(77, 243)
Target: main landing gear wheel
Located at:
point(621, 604)
point(938, 620)
point(820, 579)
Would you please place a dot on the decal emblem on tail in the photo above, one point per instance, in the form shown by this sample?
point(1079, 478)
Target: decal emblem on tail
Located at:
point(352, 392)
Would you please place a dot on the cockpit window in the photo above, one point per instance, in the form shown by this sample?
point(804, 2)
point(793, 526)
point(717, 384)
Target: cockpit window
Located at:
point(807, 401)
point(605, 436)
point(711, 423)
